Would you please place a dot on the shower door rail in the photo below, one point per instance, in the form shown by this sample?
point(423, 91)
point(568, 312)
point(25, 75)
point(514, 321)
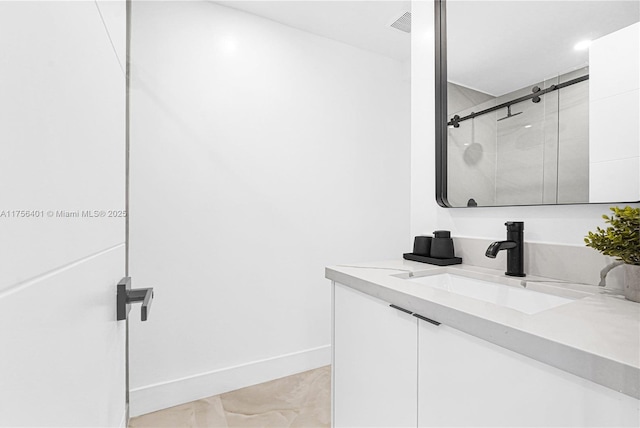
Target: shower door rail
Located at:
point(535, 96)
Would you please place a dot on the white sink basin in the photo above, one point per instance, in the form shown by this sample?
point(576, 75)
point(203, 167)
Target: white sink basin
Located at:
point(520, 299)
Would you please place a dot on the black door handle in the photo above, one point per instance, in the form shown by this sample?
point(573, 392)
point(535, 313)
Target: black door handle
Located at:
point(126, 296)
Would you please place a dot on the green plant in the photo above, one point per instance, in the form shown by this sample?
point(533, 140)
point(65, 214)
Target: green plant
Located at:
point(622, 238)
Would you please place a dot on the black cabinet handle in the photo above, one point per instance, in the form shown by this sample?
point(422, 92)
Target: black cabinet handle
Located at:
point(415, 315)
point(126, 296)
point(426, 319)
point(401, 309)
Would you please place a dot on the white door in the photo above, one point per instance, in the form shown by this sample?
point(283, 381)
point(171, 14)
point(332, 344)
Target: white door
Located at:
point(62, 239)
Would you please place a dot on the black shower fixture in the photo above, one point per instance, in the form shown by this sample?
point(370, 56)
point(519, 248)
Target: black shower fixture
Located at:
point(536, 92)
point(535, 99)
point(509, 115)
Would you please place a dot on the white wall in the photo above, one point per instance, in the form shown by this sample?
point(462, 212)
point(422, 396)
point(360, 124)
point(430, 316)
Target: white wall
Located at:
point(566, 224)
point(259, 155)
point(614, 101)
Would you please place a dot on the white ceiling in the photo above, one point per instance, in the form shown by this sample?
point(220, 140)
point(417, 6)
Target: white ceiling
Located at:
point(495, 47)
point(364, 24)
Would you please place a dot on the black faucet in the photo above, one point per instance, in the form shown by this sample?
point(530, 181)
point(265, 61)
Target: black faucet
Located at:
point(514, 246)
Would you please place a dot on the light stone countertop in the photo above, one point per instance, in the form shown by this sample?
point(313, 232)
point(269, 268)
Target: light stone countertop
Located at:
point(596, 336)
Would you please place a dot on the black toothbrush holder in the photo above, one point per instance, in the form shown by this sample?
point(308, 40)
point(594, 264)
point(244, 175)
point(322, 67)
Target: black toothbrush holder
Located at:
point(422, 245)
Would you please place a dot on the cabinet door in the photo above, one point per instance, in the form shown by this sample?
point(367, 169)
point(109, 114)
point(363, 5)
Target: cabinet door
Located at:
point(466, 381)
point(374, 362)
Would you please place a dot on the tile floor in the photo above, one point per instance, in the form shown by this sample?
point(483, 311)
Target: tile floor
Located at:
point(301, 400)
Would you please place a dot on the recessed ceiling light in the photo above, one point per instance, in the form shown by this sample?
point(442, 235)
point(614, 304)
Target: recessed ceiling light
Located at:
point(580, 46)
point(527, 126)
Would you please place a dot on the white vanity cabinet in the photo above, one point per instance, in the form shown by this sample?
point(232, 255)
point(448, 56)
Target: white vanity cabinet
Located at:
point(467, 381)
point(375, 362)
point(393, 370)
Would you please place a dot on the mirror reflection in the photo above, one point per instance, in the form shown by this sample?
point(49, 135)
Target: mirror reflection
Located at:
point(542, 103)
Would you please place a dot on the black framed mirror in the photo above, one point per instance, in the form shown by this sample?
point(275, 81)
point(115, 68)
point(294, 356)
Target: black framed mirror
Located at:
point(537, 102)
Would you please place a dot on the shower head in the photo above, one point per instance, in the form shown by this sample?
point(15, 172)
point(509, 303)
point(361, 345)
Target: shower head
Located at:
point(509, 114)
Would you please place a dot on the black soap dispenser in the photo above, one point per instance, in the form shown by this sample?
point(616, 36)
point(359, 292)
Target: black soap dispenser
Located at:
point(442, 245)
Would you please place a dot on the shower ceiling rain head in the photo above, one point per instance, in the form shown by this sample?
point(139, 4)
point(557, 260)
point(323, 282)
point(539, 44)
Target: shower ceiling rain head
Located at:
point(509, 114)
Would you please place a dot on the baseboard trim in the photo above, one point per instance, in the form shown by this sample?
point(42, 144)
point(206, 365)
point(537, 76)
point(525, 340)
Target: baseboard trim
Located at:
point(162, 395)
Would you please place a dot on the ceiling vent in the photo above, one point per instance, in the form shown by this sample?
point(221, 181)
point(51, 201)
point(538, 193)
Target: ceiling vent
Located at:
point(403, 23)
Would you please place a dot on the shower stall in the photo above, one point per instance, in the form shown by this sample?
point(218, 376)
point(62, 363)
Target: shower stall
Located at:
point(525, 147)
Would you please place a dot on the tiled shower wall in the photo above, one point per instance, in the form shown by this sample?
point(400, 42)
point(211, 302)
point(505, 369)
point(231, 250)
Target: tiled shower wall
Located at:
point(471, 149)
